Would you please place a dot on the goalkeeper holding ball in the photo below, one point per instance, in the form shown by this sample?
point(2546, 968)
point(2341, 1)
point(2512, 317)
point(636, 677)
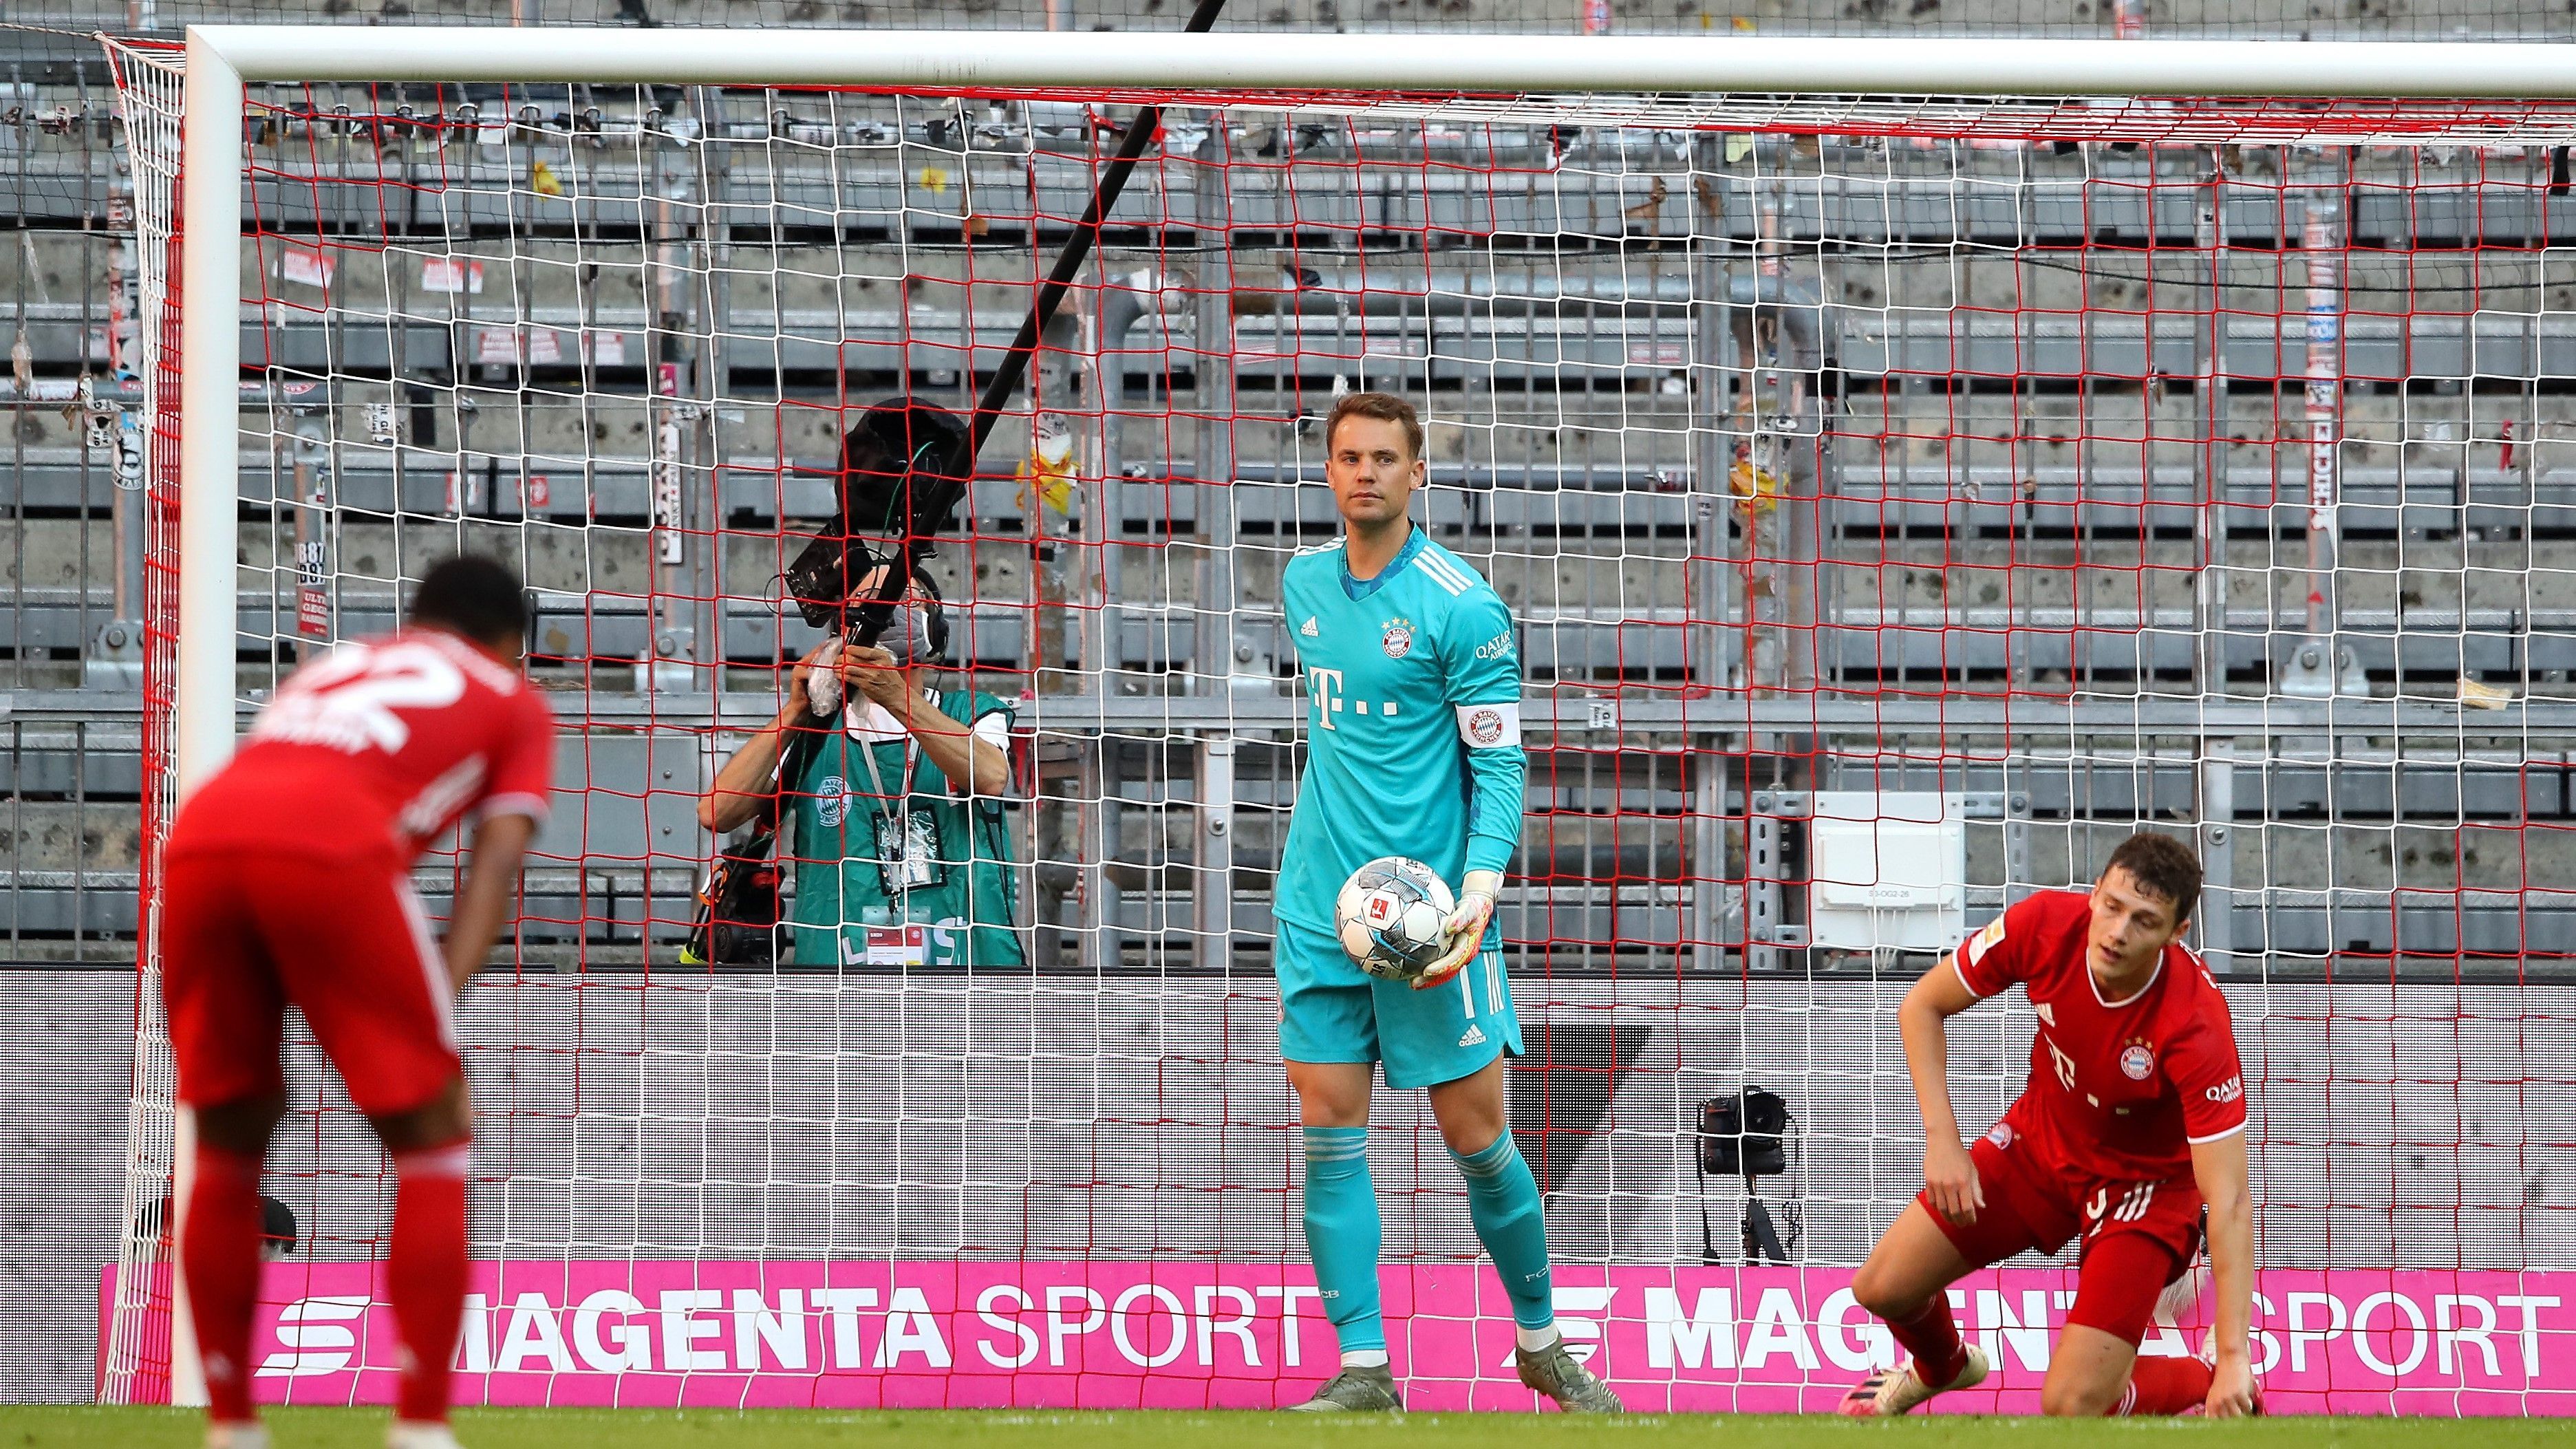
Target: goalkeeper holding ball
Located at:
point(1412, 685)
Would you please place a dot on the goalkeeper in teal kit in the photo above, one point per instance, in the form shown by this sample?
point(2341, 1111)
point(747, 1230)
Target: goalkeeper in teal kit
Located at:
point(1412, 689)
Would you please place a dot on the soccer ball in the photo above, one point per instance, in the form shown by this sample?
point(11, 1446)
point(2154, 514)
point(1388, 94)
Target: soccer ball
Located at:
point(1389, 917)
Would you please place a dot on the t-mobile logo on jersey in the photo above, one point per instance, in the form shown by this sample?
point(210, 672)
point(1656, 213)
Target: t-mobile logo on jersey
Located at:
point(2064, 1063)
point(1326, 687)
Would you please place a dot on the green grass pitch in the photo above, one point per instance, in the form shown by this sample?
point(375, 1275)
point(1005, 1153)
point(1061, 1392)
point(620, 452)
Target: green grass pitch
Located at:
point(94, 1428)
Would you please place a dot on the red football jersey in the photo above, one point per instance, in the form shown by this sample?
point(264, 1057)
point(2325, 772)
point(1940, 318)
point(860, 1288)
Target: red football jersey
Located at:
point(2118, 1089)
point(380, 743)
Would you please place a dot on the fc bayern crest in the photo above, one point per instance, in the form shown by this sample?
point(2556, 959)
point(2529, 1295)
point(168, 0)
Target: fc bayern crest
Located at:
point(1399, 638)
point(832, 800)
point(2137, 1060)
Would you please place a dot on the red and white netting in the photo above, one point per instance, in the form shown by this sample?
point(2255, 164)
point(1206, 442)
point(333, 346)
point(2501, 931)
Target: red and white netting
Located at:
point(1901, 500)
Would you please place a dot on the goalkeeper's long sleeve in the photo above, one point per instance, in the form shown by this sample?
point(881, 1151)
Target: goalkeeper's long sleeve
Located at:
point(1498, 779)
point(1484, 667)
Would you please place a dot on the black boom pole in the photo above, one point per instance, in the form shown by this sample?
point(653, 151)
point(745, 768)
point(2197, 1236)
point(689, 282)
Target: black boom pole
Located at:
point(951, 490)
point(1077, 250)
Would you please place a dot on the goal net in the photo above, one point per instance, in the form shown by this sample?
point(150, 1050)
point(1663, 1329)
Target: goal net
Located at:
point(1901, 498)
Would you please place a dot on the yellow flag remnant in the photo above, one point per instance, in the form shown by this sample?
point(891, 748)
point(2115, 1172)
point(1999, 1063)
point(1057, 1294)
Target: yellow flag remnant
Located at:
point(1756, 489)
point(542, 179)
point(1046, 475)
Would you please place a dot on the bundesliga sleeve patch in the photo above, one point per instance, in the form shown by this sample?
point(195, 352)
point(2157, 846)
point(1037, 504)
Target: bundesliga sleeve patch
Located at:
point(1489, 726)
point(1974, 951)
point(1984, 941)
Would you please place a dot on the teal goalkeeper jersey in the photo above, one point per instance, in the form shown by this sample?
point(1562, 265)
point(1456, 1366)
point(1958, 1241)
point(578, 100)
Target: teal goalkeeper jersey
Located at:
point(1412, 683)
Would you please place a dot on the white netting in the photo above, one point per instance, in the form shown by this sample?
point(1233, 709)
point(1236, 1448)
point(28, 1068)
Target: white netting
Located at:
point(1900, 501)
point(137, 1336)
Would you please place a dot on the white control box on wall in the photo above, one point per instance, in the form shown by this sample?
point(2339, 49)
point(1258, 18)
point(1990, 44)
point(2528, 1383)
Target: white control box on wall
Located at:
point(1887, 869)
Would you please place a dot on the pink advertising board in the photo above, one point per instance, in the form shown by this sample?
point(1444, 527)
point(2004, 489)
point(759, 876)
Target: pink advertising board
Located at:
point(1033, 1334)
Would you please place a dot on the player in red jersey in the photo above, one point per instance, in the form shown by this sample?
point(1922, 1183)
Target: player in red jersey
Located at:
point(287, 880)
point(2133, 1118)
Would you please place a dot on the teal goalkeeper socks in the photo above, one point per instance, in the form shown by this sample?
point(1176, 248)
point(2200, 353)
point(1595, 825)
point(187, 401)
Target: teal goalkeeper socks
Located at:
point(1342, 1234)
point(1502, 1201)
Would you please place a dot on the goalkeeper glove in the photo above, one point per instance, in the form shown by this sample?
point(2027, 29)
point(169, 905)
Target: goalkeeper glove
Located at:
point(1465, 926)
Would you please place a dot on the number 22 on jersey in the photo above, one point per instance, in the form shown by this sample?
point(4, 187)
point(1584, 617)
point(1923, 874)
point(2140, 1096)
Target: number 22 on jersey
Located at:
point(348, 700)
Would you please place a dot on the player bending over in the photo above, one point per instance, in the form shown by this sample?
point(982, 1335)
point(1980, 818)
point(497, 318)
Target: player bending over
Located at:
point(2134, 1117)
point(1413, 748)
point(288, 880)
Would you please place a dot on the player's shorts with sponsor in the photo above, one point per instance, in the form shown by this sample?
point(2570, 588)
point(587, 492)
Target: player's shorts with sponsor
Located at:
point(2136, 1236)
point(1332, 1011)
point(247, 933)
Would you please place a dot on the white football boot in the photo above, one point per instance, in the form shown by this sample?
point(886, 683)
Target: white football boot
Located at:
point(1890, 1392)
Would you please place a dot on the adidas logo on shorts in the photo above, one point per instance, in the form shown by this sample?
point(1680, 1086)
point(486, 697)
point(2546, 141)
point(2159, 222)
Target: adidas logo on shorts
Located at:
point(1475, 1036)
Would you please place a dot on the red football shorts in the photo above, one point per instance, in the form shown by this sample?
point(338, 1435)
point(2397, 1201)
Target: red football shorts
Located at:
point(2137, 1236)
point(243, 934)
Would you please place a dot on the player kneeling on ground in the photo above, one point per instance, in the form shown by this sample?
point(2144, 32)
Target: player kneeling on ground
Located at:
point(2133, 1118)
point(1413, 689)
point(288, 880)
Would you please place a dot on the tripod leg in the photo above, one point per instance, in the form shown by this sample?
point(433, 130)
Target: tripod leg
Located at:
point(1761, 1235)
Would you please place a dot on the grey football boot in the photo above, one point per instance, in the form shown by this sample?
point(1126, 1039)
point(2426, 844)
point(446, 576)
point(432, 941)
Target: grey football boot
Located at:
point(1356, 1391)
point(1552, 1371)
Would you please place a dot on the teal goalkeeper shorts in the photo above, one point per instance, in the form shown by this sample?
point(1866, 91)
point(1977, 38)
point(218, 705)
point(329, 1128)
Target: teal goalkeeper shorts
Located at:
point(1332, 1011)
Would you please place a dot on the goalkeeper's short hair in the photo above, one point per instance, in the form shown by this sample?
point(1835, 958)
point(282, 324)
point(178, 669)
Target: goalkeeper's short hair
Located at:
point(1385, 407)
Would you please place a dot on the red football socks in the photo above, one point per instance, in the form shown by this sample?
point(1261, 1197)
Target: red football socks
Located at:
point(219, 1257)
point(2165, 1386)
point(425, 1274)
point(1932, 1336)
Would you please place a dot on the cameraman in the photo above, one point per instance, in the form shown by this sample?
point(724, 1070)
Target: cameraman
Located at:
point(895, 825)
